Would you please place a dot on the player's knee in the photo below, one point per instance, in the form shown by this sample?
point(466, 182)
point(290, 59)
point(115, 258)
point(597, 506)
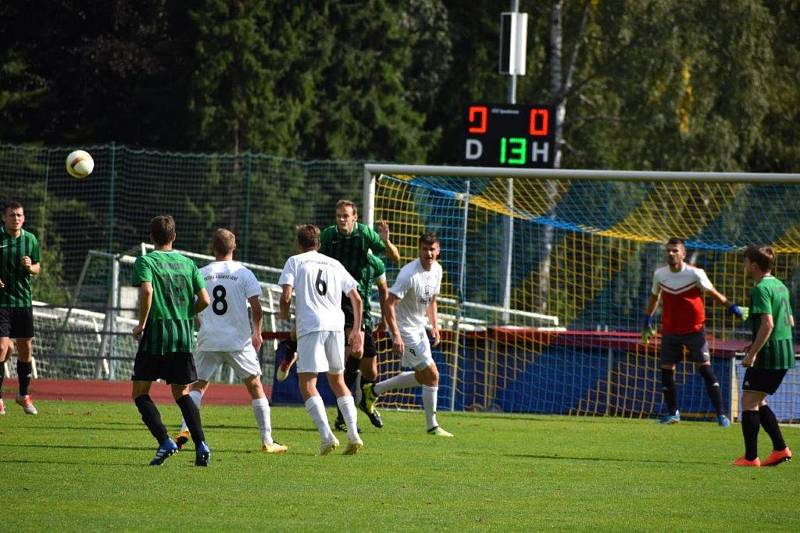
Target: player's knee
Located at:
point(254, 387)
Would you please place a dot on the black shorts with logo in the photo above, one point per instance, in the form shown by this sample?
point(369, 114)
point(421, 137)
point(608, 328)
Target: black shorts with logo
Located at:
point(762, 380)
point(175, 368)
point(16, 322)
point(696, 347)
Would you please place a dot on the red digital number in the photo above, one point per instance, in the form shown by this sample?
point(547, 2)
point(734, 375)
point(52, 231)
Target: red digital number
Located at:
point(483, 113)
point(539, 122)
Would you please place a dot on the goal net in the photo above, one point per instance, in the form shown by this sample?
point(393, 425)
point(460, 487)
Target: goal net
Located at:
point(547, 274)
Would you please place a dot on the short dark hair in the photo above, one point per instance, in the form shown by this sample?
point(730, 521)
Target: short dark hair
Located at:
point(761, 255)
point(162, 229)
point(308, 236)
point(347, 203)
point(676, 241)
point(11, 205)
point(223, 241)
point(428, 238)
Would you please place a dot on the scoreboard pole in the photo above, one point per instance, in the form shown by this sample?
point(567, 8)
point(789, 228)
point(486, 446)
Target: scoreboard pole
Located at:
point(508, 223)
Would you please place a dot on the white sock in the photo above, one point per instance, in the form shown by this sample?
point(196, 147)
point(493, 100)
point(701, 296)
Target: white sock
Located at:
point(197, 398)
point(429, 398)
point(316, 409)
point(403, 380)
point(348, 408)
point(262, 412)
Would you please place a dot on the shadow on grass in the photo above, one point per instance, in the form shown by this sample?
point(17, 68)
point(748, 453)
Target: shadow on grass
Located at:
point(602, 459)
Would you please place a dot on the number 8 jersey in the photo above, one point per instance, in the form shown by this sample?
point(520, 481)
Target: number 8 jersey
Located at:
point(225, 324)
point(318, 282)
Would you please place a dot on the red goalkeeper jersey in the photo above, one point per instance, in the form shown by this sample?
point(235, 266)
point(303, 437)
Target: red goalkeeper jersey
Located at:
point(682, 295)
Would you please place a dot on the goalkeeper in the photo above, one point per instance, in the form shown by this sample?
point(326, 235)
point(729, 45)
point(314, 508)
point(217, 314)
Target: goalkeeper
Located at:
point(683, 320)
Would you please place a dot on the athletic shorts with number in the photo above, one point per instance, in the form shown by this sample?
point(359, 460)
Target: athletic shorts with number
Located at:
point(243, 362)
point(174, 367)
point(16, 322)
point(695, 343)
point(762, 380)
point(416, 352)
point(321, 351)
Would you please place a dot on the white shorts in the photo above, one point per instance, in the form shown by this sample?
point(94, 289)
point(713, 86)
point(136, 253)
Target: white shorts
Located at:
point(417, 352)
point(244, 363)
point(321, 351)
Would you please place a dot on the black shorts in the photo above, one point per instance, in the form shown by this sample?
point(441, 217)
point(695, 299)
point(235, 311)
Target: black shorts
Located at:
point(16, 322)
point(347, 309)
point(695, 343)
point(762, 380)
point(369, 346)
point(175, 368)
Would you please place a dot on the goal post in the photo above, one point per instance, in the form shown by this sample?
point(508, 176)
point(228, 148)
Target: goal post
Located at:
point(585, 245)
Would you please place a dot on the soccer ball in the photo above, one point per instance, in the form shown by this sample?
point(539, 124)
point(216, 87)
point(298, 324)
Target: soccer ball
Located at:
point(79, 164)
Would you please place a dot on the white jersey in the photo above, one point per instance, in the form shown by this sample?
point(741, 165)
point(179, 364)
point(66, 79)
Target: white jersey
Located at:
point(318, 282)
point(416, 288)
point(225, 324)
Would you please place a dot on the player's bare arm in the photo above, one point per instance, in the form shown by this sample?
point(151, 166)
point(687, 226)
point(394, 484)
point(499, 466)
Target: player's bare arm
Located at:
point(433, 317)
point(356, 337)
point(383, 297)
point(202, 301)
point(722, 300)
point(145, 303)
point(257, 315)
point(33, 268)
point(2, 284)
point(391, 250)
point(391, 323)
point(285, 302)
point(764, 330)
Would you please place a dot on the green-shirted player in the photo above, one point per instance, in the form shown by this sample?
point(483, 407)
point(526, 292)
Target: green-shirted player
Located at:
point(171, 293)
point(767, 359)
point(351, 243)
point(19, 262)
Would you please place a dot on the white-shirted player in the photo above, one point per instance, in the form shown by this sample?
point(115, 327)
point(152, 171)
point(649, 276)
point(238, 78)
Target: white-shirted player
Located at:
point(411, 298)
point(682, 287)
point(318, 282)
point(225, 335)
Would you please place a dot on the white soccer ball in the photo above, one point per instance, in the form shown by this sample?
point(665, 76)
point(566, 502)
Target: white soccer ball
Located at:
point(79, 164)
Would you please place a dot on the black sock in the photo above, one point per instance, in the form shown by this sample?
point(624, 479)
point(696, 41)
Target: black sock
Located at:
point(669, 389)
point(750, 425)
point(24, 373)
point(2, 377)
point(712, 387)
point(151, 417)
point(351, 371)
point(191, 414)
point(770, 425)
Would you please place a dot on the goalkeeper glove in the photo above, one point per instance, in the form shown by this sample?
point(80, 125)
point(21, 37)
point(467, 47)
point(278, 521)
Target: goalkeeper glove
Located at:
point(741, 312)
point(649, 328)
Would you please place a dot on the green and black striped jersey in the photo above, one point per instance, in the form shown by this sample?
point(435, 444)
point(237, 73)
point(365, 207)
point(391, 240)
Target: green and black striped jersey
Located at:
point(351, 250)
point(175, 280)
point(17, 280)
point(771, 297)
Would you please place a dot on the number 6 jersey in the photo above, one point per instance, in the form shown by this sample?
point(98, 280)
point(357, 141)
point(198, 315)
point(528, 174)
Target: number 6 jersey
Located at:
point(318, 282)
point(225, 324)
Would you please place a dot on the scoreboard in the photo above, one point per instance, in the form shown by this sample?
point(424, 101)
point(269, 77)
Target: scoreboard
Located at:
point(509, 135)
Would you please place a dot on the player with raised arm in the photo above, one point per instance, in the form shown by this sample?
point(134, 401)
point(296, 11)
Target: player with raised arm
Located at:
point(225, 335)
point(683, 321)
point(411, 299)
point(19, 262)
point(767, 358)
point(171, 293)
point(318, 282)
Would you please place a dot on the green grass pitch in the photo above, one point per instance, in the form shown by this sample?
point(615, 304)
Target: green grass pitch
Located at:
point(83, 466)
